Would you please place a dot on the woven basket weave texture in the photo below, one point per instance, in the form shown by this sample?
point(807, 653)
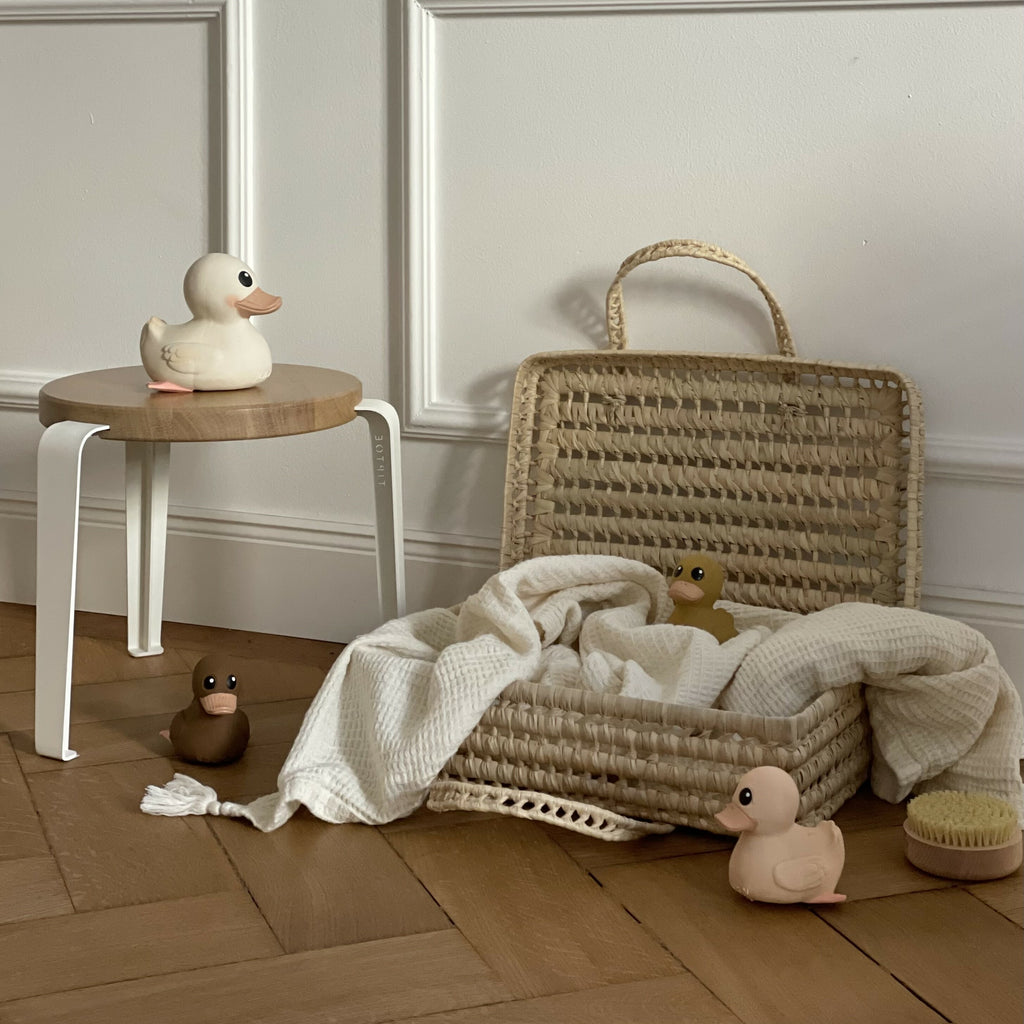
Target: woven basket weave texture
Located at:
point(803, 478)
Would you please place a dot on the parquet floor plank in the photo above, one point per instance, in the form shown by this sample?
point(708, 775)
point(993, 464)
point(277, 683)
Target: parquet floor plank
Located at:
point(137, 739)
point(957, 954)
point(266, 679)
point(367, 983)
point(769, 964)
point(100, 702)
point(22, 833)
point(107, 742)
point(205, 639)
point(161, 695)
point(680, 999)
point(95, 661)
point(254, 774)
point(321, 654)
point(876, 865)
point(108, 915)
point(31, 888)
point(532, 914)
point(17, 630)
point(424, 817)
point(591, 853)
point(113, 855)
point(352, 887)
point(60, 954)
point(1005, 895)
point(865, 810)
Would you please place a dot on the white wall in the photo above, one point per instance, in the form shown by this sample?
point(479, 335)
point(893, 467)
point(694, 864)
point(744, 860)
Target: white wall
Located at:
point(437, 193)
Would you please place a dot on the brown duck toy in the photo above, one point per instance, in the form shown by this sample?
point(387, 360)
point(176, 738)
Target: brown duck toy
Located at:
point(212, 729)
point(695, 586)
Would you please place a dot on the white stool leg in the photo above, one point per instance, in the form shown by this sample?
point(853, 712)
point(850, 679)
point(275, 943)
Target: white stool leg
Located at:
point(58, 489)
point(146, 472)
point(387, 490)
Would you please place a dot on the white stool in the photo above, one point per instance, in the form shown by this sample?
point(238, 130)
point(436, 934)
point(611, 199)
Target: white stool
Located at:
point(117, 405)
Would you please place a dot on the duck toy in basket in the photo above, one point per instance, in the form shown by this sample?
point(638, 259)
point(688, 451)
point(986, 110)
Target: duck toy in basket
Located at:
point(695, 586)
point(212, 729)
point(775, 860)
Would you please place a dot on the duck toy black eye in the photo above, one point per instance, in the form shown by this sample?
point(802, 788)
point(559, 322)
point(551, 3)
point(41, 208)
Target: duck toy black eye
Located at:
point(209, 682)
point(697, 574)
point(245, 278)
point(232, 682)
point(745, 798)
point(679, 571)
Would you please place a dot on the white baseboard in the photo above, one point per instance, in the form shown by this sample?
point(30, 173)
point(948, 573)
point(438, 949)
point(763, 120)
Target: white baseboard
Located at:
point(464, 552)
point(271, 574)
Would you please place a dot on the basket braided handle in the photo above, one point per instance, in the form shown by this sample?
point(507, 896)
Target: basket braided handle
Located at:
point(617, 338)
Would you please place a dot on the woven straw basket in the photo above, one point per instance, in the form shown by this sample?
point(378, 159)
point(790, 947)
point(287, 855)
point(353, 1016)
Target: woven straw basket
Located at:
point(803, 478)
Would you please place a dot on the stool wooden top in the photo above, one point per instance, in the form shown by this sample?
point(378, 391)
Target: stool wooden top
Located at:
point(292, 400)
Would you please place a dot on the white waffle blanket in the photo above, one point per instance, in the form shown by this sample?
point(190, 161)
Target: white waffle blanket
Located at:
point(399, 701)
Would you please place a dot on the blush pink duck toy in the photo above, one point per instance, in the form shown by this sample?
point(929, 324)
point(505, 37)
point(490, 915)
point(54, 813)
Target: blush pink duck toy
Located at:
point(775, 860)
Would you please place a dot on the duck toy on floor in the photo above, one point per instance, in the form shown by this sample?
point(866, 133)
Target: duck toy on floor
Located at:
point(212, 729)
point(695, 586)
point(218, 349)
point(775, 860)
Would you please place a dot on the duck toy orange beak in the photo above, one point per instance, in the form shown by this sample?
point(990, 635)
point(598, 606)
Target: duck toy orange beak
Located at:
point(219, 703)
point(685, 591)
point(734, 818)
point(257, 303)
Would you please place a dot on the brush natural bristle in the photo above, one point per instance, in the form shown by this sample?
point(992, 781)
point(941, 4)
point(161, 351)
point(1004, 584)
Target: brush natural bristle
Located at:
point(966, 820)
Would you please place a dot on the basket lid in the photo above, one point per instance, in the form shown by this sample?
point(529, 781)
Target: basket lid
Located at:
point(803, 478)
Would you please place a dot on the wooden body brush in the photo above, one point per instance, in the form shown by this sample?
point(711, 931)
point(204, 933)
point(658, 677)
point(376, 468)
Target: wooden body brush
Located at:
point(967, 836)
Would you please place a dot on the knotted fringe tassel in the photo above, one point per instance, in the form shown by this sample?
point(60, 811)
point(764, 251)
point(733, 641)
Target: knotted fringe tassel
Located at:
point(184, 795)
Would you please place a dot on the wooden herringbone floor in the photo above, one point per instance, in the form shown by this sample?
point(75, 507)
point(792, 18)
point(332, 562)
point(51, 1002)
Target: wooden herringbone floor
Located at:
point(108, 915)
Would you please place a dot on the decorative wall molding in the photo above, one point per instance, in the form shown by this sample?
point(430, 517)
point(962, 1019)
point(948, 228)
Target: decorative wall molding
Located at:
point(287, 531)
point(233, 19)
point(512, 7)
point(993, 607)
point(426, 413)
point(19, 390)
point(985, 460)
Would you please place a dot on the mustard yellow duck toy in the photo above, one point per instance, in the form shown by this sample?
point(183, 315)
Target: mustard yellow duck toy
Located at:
point(695, 586)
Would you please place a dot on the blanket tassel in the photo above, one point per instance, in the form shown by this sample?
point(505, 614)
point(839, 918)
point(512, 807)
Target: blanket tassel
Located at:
point(185, 795)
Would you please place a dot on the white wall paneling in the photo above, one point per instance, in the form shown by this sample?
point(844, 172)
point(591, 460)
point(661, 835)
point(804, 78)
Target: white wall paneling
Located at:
point(866, 158)
point(232, 20)
point(506, 144)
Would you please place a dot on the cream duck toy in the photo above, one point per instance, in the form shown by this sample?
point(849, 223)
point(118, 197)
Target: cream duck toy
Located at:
point(695, 586)
point(212, 729)
point(775, 860)
point(218, 349)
